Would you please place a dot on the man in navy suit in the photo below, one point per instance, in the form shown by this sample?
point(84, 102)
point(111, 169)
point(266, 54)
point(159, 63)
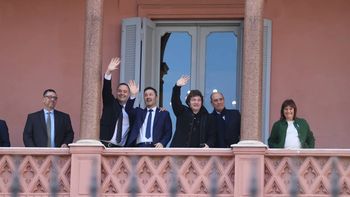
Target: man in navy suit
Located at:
point(48, 127)
point(152, 126)
point(226, 122)
point(4, 135)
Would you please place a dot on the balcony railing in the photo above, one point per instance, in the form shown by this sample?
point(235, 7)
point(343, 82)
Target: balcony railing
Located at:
point(241, 171)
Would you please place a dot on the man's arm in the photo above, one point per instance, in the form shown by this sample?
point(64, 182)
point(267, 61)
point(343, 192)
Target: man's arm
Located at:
point(107, 96)
point(4, 135)
point(28, 133)
point(176, 103)
point(166, 132)
point(69, 133)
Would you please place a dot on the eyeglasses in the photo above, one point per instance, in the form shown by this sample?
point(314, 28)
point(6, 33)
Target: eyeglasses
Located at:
point(52, 97)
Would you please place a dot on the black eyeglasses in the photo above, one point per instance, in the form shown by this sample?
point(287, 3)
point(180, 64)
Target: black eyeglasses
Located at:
point(52, 97)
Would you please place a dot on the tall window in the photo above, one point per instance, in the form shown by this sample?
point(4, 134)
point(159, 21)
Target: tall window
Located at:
point(157, 53)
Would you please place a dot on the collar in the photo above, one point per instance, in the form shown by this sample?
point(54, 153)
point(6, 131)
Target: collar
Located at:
point(153, 108)
point(46, 111)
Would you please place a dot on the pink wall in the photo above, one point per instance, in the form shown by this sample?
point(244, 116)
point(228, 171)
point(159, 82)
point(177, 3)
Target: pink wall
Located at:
point(42, 46)
point(310, 63)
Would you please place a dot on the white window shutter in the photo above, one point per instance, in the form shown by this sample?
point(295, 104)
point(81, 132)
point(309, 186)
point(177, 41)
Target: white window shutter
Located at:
point(266, 78)
point(130, 50)
point(137, 52)
point(149, 67)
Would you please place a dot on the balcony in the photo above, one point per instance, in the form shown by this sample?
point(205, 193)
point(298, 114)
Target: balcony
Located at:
point(77, 170)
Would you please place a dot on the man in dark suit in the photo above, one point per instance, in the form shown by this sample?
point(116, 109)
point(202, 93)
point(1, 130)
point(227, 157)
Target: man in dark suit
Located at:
point(152, 126)
point(114, 123)
point(4, 135)
point(48, 127)
point(226, 122)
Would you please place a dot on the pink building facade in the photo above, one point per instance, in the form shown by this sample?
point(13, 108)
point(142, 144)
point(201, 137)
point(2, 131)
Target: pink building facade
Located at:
point(42, 46)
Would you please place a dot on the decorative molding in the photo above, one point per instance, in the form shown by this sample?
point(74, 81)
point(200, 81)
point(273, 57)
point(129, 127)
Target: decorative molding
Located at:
point(194, 9)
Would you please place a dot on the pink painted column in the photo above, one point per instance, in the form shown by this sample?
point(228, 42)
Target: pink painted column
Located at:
point(86, 153)
point(91, 96)
point(249, 165)
point(252, 71)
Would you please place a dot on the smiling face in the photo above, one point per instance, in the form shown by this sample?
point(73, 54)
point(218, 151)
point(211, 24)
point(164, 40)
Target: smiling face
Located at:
point(195, 104)
point(50, 100)
point(288, 113)
point(218, 101)
point(123, 93)
point(150, 98)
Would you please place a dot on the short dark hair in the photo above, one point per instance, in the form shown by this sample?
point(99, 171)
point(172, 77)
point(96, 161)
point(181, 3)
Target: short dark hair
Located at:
point(193, 93)
point(49, 90)
point(290, 103)
point(124, 84)
point(150, 88)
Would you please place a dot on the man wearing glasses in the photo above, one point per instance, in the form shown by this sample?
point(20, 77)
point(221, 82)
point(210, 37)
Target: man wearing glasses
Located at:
point(48, 127)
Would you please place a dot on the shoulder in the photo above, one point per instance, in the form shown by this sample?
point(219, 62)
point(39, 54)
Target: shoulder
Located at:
point(301, 121)
point(279, 123)
point(233, 111)
point(37, 113)
point(162, 112)
point(60, 113)
point(2, 123)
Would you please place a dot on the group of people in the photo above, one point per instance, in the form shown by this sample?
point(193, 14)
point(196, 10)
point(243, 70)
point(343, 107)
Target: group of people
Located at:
point(151, 126)
point(123, 125)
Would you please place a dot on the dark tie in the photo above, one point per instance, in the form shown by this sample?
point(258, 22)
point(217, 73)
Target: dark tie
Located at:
point(149, 122)
point(48, 128)
point(120, 126)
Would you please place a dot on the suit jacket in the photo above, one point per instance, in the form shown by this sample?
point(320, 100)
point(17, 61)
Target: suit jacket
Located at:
point(4, 135)
point(162, 127)
point(110, 112)
point(231, 130)
point(35, 132)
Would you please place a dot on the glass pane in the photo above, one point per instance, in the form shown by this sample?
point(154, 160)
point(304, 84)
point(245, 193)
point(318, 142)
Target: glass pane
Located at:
point(175, 61)
point(221, 67)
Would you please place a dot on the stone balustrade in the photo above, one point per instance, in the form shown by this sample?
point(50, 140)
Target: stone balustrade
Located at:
point(156, 169)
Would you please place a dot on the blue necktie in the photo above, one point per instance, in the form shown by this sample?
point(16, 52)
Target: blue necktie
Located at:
point(149, 122)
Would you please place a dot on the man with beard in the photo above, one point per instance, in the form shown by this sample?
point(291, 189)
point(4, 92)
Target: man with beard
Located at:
point(152, 126)
point(48, 127)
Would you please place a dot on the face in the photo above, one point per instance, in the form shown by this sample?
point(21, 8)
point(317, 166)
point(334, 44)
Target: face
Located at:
point(50, 100)
point(288, 113)
point(123, 94)
point(195, 103)
point(150, 98)
point(218, 102)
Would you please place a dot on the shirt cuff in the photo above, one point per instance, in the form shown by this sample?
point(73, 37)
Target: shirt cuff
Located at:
point(108, 77)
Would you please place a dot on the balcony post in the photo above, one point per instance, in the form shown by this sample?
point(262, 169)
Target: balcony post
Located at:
point(91, 92)
point(252, 70)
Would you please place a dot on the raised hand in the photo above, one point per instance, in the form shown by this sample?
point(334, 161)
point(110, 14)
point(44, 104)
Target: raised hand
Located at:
point(113, 65)
point(134, 88)
point(183, 80)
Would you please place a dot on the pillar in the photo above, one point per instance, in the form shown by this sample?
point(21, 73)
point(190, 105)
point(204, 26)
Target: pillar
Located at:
point(252, 71)
point(91, 94)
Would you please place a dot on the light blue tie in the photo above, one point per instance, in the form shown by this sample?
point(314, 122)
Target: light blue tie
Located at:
point(48, 128)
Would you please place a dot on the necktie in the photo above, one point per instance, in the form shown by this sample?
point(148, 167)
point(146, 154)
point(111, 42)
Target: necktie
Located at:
point(149, 122)
point(120, 126)
point(48, 128)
